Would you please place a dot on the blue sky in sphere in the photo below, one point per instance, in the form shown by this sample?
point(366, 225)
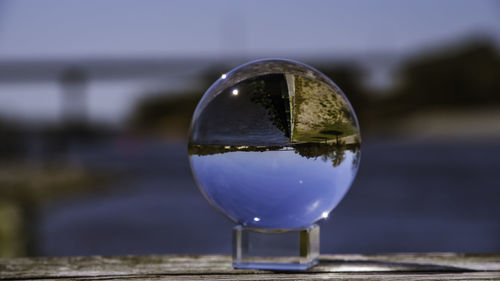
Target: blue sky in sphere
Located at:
point(280, 188)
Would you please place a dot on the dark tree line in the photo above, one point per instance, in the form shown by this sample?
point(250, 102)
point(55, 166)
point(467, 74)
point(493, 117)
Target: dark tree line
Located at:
point(465, 76)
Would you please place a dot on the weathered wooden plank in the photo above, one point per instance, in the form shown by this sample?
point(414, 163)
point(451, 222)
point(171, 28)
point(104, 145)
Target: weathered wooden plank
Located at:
point(483, 262)
point(301, 276)
point(371, 267)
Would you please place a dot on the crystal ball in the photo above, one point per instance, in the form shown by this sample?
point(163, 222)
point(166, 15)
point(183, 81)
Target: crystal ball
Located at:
point(274, 144)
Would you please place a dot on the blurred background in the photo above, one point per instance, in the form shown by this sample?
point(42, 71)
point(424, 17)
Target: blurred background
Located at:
point(96, 98)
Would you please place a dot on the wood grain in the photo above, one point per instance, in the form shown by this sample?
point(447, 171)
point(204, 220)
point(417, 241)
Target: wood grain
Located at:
point(428, 266)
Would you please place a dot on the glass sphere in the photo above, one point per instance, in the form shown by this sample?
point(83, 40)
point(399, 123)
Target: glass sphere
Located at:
point(274, 144)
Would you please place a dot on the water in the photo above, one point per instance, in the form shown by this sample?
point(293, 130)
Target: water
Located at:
point(407, 197)
point(276, 187)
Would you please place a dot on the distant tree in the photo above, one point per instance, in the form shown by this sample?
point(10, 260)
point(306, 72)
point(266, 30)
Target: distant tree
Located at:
point(11, 140)
point(338, 156)
point(469, 75)
point(164, 114)
point(335, 153)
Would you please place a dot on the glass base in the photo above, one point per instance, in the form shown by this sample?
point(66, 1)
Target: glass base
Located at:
point(287, 249)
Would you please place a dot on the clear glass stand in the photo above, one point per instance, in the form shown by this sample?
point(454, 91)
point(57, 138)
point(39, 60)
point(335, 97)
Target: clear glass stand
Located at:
point(294, 249)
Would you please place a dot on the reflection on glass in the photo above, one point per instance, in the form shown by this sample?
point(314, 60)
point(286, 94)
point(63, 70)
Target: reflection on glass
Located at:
point(274, 145)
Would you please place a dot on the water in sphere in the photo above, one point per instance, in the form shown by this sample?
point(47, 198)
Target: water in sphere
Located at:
point(274, 144)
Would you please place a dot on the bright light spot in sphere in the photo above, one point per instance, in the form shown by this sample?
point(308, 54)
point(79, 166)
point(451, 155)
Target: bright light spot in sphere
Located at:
point(223, 76)
point(301, 182)
point(324, 215)
point(235, 92)
point(256, 219)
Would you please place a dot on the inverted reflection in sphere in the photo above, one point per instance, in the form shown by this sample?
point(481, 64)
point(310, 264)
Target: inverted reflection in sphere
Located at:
point(274, 144)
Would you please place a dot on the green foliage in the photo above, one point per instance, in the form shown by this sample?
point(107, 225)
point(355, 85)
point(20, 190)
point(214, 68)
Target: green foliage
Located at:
point(11, 231)
point(319, 111)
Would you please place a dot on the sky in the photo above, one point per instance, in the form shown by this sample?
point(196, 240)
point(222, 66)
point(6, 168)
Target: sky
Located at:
point(205, 28)
point(216, 29)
